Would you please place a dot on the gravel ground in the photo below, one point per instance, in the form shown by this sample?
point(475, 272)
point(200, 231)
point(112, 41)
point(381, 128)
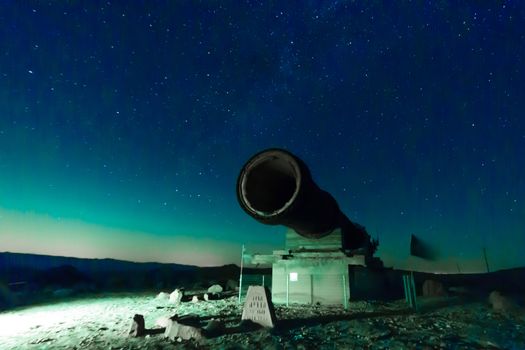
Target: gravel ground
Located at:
point(102, 322)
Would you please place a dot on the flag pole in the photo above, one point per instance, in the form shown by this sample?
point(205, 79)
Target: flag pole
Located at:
point(240, 277)
point(486, 260)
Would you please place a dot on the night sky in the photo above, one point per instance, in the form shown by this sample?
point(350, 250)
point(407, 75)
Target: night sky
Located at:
point(124, 125)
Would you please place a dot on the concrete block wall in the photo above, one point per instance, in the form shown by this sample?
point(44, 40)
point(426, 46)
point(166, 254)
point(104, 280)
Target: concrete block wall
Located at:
point(317, 280)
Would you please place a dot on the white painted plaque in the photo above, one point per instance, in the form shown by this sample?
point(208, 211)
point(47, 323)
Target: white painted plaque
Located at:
point(258, 307)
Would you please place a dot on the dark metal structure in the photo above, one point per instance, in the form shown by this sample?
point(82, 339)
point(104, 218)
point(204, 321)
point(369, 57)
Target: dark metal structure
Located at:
point(276, 187)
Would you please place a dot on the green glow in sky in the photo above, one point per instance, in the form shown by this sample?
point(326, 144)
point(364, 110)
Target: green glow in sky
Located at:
point(42, 234)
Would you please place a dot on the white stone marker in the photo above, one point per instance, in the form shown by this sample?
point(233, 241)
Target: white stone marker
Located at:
point(258, 307)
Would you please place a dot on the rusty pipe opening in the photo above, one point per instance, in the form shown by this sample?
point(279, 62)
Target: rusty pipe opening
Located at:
point(276, 187)
point(269, 183)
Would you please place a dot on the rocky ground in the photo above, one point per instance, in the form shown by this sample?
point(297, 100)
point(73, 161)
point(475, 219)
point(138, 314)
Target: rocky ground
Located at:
point(103, 322)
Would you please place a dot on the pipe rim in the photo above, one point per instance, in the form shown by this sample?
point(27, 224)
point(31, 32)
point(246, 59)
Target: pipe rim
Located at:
point(258, 159)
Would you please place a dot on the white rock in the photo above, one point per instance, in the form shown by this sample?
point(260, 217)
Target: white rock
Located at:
point(176, 330)
point(176, 296)
point(163, 322)
point(162, 296)
point(215, 289)
point(206, 296)
point(195, 299)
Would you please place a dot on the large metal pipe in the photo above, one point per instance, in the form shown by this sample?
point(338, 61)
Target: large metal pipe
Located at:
point(275, 187)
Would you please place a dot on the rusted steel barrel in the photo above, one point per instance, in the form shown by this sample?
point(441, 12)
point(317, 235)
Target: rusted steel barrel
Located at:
point(275, 187)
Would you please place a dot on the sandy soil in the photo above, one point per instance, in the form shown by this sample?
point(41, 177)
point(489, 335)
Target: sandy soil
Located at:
point(103, 322)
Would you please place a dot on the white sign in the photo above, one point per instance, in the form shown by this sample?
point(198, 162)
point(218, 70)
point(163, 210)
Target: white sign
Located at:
point(293, 276)
point(258, 307)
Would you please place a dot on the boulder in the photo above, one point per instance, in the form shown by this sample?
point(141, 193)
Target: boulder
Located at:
point(184, 329)
point(215, 289)
point(195, 299)
point(176, 296)
point(162, 322)
point(500, 303)
point(433, 288)
point(206, 298)
point(213, 328)
point(137, 328)
point(162, 296)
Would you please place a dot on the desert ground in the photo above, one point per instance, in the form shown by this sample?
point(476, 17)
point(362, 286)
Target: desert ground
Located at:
point(104, 321)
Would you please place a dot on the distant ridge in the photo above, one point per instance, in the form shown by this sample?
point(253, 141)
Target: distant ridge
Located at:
point(31, 278)
point(44, 262)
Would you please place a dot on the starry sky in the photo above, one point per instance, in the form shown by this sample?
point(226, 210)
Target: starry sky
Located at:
point(124, 124)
